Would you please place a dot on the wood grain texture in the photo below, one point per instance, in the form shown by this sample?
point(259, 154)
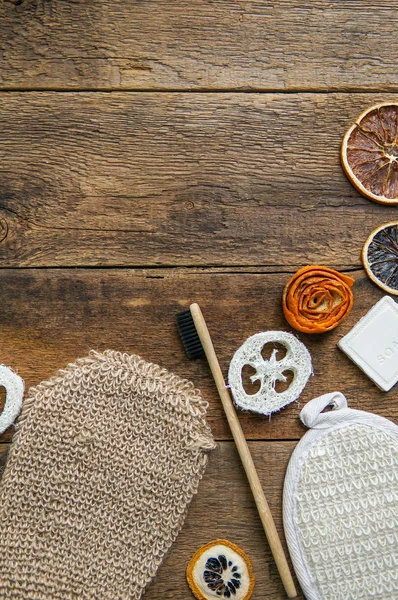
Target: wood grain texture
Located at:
point(242, 447)
point(191, 44)
point(180, 180)
point(242, 188)
point(51, 317)
point(224, 508)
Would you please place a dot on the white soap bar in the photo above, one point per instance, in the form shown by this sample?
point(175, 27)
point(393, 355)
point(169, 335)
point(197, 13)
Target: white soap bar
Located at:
point(373, 343)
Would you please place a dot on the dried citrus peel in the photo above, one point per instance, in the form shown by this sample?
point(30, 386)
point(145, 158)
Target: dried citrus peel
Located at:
point(220, 569)
point(316, 299)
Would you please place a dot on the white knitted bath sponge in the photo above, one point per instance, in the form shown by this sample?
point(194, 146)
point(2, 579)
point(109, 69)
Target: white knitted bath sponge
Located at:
point(341, 504)
point(106, 458)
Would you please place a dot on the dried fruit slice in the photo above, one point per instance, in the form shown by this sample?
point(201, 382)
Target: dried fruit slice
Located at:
point(316, 299)
point(380, 257)
point(369, 153)
point(220, 569)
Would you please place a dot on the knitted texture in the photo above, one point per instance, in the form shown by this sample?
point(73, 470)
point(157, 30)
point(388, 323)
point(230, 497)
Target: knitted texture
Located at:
point(344, 511)
point(106, 458)
point(268, 399)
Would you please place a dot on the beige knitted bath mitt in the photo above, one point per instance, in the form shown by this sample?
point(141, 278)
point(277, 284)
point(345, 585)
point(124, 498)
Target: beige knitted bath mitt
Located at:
point(106, 458)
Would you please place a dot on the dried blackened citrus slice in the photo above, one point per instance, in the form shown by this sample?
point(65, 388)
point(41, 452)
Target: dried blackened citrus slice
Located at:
point(220, 569)
point(369, 153)
point(380, 257)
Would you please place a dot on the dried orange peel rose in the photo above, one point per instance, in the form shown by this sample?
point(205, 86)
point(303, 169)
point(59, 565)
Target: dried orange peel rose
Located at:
point(316, 299)
point(369, 153)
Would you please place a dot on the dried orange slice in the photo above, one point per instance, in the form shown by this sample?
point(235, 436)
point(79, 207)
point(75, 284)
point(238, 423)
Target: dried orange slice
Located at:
point(220, 569)
point(316, 299)
point(380, 257)
point(369, 153)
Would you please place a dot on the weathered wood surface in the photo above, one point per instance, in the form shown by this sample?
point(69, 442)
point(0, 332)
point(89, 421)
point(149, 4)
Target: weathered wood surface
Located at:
point(180, 180)
point(51, 317)
point(190, 44)
point(242, 188)
point(224, 508)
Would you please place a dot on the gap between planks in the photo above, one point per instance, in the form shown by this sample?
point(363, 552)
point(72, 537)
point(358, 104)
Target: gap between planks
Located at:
point(200, 90)
point(156, 270)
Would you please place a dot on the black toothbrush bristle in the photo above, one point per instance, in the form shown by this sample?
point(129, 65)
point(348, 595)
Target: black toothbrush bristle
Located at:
point(189, 336)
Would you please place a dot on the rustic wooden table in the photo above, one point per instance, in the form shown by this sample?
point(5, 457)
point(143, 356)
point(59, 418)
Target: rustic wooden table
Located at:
point(157, 153)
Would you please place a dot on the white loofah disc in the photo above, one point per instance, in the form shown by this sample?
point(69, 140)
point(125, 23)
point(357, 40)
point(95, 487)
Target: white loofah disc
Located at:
point(14, 387)
point(267, 400)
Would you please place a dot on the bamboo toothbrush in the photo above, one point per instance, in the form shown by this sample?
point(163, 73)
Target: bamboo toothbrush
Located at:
point(197, 342)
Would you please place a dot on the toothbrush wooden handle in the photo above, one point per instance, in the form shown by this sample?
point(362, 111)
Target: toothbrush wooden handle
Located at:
point(244, 453)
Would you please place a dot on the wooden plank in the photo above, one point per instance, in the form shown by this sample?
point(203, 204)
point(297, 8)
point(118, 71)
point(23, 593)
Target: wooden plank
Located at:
point(51, 317)
point(191, 44)
point(180, 180)
point(224, 508)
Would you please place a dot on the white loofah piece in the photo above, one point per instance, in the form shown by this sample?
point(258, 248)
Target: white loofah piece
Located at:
point(14, 387)
point(340, 503)
point(267, 400)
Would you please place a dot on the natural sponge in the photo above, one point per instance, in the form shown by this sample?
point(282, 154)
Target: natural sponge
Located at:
point(107, 456)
